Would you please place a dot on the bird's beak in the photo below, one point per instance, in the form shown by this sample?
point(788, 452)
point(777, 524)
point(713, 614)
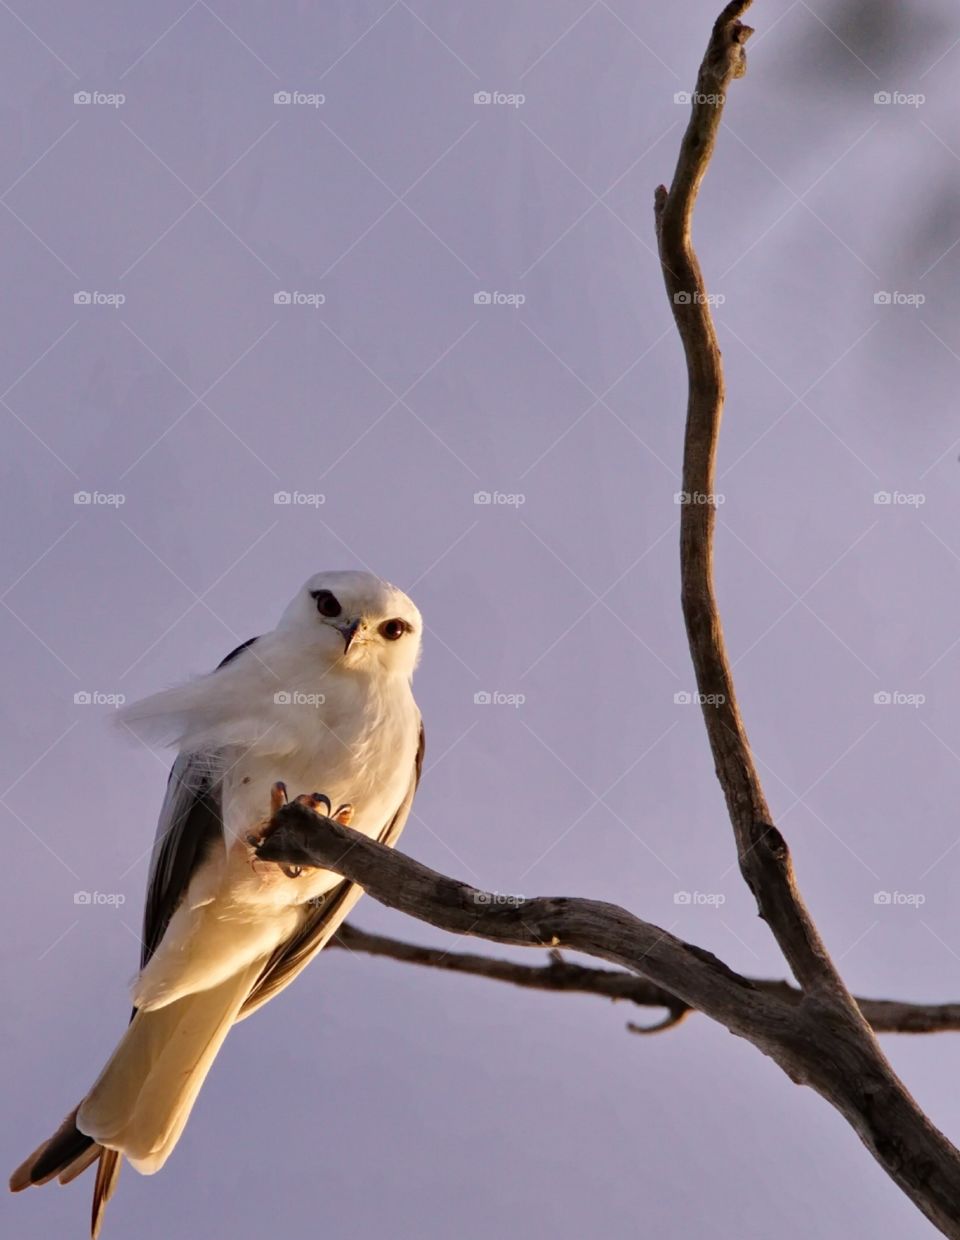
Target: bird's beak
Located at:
point(348, 632)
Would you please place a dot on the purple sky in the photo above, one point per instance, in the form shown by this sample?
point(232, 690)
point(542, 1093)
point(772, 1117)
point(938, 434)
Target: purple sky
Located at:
point(458, 1107)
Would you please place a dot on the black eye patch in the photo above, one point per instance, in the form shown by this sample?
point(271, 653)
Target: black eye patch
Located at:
point(327, 604)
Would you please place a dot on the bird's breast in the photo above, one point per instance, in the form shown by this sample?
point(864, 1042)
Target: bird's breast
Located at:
point(352, 741)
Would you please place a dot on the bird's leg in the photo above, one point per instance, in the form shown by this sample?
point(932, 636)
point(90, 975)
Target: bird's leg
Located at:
point(278, 799)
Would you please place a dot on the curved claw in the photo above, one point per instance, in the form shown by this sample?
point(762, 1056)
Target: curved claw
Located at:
point(278, 797)
point(314, 801)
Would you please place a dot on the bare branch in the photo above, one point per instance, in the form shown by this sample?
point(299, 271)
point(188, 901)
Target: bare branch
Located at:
point(558, 975)
point(867, 1092)
point(763, 854)
point(299, 836)
point(562, 977)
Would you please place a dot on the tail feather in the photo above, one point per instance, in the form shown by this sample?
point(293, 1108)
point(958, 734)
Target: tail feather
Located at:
point(69, 1174)
point(53, 1157)
point(108, 1172)
point(142, 1099)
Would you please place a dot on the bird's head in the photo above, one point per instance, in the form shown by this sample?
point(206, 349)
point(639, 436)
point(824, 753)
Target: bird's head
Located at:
point(358, 621)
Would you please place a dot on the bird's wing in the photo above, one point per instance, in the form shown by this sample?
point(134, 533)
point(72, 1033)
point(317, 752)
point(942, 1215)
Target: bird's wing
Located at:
point(319, 927)
point(190, 825)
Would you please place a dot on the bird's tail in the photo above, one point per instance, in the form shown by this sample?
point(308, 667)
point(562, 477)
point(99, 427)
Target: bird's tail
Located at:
point(142, 1099)
point(64, 1156)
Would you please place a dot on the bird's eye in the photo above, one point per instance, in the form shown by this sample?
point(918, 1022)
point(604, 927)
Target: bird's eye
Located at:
point(327, 604)
point(393, 629)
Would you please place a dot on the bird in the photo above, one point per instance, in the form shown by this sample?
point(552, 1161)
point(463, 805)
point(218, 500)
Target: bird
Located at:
point(323, 701)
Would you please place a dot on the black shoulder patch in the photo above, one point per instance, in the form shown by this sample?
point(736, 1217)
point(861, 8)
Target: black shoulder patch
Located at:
point(233, 653)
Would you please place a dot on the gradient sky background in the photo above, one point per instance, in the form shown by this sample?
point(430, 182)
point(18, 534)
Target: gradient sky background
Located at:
point(373, 1098)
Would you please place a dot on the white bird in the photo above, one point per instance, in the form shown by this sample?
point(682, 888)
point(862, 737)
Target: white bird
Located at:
point(322, 702)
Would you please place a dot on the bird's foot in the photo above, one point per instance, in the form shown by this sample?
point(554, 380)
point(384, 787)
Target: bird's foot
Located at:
point(316, 801)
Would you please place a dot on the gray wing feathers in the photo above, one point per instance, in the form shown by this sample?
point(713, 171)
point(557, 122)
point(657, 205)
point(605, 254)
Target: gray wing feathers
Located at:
point(190, 825)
